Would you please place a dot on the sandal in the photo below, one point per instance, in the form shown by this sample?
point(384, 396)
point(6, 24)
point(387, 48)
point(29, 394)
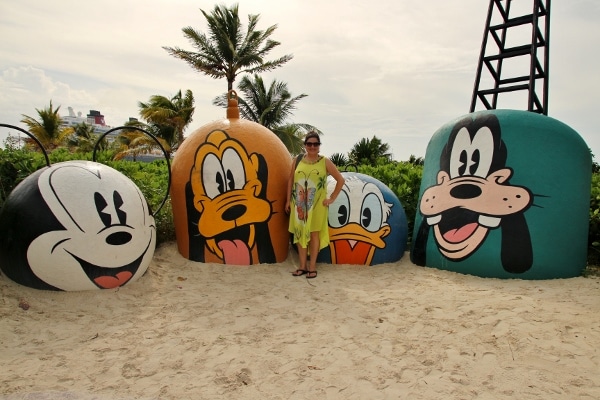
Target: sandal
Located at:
point(299, 272)
point(311, 274)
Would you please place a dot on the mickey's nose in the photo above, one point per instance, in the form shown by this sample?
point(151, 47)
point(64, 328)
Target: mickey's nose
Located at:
point(465, 191)
point(118, 238)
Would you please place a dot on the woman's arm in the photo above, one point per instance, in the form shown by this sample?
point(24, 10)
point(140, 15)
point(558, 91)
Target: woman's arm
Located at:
point(339, 181)
point(289, 186)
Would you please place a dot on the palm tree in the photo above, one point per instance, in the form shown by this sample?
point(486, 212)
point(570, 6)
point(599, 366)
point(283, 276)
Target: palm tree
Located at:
point(48, 129)
point(339, 159)
point(416, 160)
point(370, 152)
point(82, 137)
point(226, 51)
point(271, 108)
point(133, 142)
point(170, 116)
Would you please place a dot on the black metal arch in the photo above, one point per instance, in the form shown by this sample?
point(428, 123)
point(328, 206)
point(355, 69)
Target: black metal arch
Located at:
point(32, 137)
point(159, 145)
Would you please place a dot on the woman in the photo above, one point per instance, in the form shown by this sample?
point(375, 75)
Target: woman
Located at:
point(307, 199)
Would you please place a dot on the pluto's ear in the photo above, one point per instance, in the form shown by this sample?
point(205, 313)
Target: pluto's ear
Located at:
point(516, 254)
point(197, 242)
point(418, 255)
point(262, 172)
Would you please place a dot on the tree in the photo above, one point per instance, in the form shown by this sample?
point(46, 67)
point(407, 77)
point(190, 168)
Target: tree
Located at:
point(82, 138)
point(370, 152)
point(226, 51)
point(133, 142)
point(339, 159)
point(47, 130)
point(416, 160)
point(271, 108)
point(171, 116)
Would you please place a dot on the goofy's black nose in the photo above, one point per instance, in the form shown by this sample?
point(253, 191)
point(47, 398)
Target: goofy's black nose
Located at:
point(465, 191)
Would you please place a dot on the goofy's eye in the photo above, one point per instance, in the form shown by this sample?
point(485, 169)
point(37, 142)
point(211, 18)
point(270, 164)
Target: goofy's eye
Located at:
point(472, 157)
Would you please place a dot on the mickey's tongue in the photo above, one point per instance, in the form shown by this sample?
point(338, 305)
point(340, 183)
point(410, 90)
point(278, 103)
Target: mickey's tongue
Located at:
point(111, 282)
point(235, 252)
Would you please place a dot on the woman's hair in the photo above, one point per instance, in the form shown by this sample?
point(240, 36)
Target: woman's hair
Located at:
point(312, 134)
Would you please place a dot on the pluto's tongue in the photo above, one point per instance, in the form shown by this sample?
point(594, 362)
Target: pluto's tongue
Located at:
point(458, 235)
point(111, 282)
point(235, 252)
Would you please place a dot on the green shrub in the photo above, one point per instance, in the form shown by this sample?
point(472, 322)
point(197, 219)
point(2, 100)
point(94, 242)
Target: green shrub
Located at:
point(403, 178)
point(151, 178)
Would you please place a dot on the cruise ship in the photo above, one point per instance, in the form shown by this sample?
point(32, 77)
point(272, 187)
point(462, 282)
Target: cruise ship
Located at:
point(94, 118)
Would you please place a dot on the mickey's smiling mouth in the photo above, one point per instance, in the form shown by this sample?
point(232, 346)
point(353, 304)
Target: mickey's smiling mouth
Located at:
point(110, 278)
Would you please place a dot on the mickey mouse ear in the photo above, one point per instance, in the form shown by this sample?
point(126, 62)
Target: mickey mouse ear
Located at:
point(32, 138)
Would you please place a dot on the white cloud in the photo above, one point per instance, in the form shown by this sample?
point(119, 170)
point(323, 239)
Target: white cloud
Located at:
point(398, 69)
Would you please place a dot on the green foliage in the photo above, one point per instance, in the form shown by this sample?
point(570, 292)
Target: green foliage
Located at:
point(16, 165)
point(151, 178)
point(228, 49)
point(594, 227)
point(339, 159)
point(370, 151)
point(270, 107)
point(403, 178)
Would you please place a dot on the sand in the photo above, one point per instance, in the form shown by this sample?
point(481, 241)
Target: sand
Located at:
point(189, 330)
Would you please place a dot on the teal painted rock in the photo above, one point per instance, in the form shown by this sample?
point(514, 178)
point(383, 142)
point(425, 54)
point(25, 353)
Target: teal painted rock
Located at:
point(367, 224)
point(504, 194)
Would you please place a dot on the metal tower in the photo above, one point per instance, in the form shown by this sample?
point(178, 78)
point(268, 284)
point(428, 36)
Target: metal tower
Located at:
point(508, 56)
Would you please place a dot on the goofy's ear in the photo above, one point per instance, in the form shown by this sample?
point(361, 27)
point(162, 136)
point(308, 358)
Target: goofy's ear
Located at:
point(517, 253)
point(418, 255)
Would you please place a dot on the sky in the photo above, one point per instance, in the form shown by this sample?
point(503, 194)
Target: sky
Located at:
point(395, 69)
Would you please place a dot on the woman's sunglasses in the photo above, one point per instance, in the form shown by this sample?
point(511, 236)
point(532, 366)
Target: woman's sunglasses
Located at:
point(312, 144)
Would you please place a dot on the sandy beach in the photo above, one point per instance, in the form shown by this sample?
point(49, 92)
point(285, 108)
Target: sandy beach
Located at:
point(189, 330)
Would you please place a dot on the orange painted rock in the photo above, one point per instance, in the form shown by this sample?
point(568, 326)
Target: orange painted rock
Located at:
point(228, 192)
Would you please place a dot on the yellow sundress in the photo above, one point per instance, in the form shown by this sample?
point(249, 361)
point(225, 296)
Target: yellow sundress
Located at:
point(308, 214)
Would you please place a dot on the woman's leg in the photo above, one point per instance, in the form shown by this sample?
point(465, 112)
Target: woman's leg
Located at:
point(314, 250)
point(302, 256)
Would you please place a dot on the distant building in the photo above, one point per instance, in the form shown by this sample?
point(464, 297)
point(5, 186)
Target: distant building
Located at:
point(95, 119)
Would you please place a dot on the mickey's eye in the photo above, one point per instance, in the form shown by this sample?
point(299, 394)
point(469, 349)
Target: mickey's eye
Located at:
point(472, 157)
point(101, 206)
point(122, 215)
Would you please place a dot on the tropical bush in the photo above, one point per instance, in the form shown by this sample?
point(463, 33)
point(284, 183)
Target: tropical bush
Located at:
point(594, 228)
point(403, 178)
point(151, 178)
